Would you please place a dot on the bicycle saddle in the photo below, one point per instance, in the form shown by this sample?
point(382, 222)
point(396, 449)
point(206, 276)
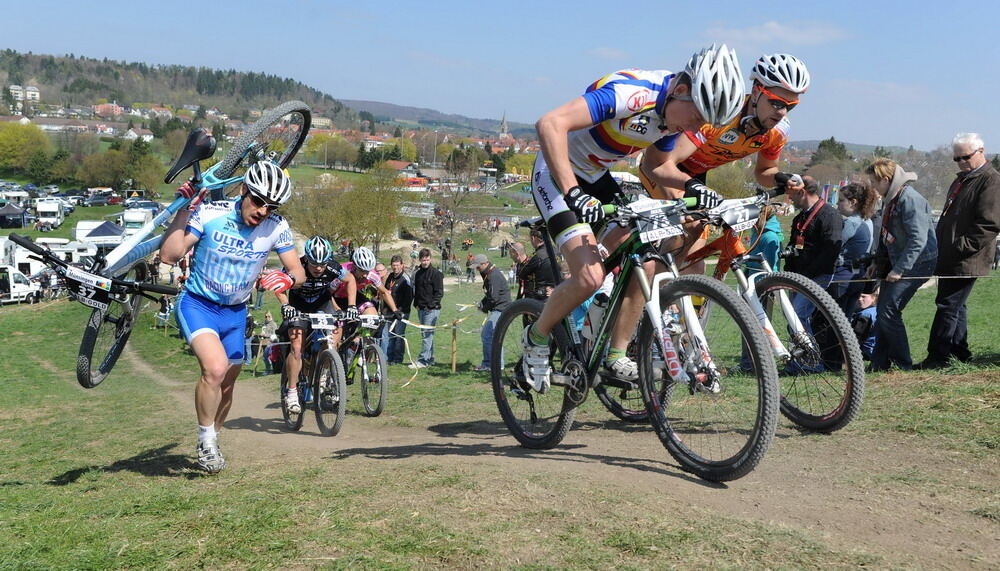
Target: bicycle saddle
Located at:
point(199, 146)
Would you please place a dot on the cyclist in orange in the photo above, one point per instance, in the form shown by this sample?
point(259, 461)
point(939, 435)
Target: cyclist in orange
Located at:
point(762, 127)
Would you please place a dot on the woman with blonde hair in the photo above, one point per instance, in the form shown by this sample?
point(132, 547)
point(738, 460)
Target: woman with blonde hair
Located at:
point(857, 204)
point(905, 258)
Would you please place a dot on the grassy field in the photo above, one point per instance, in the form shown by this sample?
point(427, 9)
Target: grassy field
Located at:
point(105, 478)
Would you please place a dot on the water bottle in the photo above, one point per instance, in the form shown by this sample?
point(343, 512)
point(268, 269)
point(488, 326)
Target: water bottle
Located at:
point(595, 314)
point(307, 393)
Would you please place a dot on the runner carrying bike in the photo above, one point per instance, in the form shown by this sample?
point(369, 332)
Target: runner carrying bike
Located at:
point(620, 114)
point(231, 241)
point(761, 127)
point(313, 296)
point(360, 286)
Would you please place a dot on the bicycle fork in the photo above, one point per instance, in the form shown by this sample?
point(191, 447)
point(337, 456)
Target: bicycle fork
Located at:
point(748, 290)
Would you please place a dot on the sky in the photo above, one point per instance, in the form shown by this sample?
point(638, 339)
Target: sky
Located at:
point(883, 73)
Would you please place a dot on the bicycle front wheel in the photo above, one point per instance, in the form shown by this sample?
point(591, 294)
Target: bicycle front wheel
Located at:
point(277, 136)
point(374, 388)
point(106, 333)
point(329, 393)
point(536, 420)
point(823, 379)
point(718, 424)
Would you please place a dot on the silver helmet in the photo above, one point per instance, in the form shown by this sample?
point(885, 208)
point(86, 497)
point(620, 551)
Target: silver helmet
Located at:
point(717, 86)
point(781, 70)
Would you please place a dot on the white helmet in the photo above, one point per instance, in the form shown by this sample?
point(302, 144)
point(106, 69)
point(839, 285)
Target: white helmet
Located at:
point(781, 70)
point(266, 180)
point(364, 259)
point(716, 84)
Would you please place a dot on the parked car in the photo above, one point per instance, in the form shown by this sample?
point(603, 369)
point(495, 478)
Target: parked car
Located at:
point(96, 200)
point(115, 200)
point(144, 204)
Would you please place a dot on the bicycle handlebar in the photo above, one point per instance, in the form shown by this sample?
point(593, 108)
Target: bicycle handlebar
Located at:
point(29, 245)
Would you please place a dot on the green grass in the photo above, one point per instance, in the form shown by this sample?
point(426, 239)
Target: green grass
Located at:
point(104, 478)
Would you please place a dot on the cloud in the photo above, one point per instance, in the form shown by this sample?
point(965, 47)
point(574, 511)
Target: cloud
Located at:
point(798, 34)
point(606, 53)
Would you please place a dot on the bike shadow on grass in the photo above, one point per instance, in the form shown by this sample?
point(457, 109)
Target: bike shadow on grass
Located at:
point(563, 453)
point(155, 462)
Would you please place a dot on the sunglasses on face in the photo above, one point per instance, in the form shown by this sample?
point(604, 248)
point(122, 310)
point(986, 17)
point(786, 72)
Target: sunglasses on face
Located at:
point(261, 203)
point(777, 101)
point(966, 157)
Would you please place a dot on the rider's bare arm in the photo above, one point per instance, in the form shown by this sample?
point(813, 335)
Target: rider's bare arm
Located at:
point(176, 240)
point(290, 260)
point(764, 171)
point(663, 179)
point(352, 289)
point(553, 129)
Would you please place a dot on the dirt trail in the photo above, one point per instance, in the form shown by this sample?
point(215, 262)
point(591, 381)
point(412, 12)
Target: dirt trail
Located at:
point(851, 491)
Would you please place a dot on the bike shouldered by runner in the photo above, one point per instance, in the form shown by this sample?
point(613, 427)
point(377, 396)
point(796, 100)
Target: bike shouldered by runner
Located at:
point(617, 115)
point(231, 241)
point(322, 276)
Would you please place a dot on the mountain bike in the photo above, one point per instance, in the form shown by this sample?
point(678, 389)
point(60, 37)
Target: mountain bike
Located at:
point(821, 370)
point(367, 363)
point(716, 420)
point(110, 283)
point(321, 385)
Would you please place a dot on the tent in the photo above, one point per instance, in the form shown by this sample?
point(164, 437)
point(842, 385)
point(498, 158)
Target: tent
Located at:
point(12, 217)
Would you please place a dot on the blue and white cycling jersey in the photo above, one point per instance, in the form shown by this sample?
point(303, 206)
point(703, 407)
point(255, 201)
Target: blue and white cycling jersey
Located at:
point(229, 254)
point(627, 110)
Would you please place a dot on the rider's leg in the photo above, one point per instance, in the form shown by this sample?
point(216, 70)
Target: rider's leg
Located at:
point(293, 362)
point(586, 276)
point(215, 368)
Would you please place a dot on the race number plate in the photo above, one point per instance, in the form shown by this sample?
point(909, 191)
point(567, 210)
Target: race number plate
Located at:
point(323, 321)
point(659, 227)
point(741, 218)
point(89, 289)
point(369, 323)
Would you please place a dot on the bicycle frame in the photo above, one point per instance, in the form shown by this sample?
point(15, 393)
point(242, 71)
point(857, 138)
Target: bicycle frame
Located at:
point(137, 247)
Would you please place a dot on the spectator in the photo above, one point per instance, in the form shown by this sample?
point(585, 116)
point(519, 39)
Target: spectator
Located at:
point(171, 275)
point(857, 205)
point(248, 336)
point(863, 322)
point(966, 237)
point(496, 297)
point(907, 248)
point(383, 308)
point(428, 289)
point(534, 273)
point(815, 240)
point(155, 269)
point(414, 254)
point(183, 265)
point(398, 284)
point(769, 243)
point(268, 335)
point(470, 270)
point(166, 308)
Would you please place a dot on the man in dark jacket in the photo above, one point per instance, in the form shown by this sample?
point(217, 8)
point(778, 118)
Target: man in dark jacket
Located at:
point(428, 289)
point(398, 284)
point(534, 274)
point(966, 236)
point(815, 240)
point(496, 297)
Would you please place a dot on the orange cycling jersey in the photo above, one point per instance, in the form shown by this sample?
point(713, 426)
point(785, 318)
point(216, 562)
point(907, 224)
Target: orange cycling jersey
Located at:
point(720, 145)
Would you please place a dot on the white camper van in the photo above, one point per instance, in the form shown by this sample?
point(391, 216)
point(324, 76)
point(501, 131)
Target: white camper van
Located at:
point(15, 287)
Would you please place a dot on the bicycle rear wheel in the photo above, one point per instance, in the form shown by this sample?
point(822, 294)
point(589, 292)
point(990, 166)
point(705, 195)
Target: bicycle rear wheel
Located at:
point(329, 393)
point(106, 333)
point(277, 136)
point(720, 423)
point(823, 382)
point(374, 390)
point(536, 420)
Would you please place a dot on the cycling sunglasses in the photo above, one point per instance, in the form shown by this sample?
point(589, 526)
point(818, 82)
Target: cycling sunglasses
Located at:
point(777, 101)
point(260, 202)
point(966, 157)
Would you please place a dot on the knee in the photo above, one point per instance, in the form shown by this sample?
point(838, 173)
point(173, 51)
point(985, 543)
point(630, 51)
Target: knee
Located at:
point(215, 374)
point(591, 278)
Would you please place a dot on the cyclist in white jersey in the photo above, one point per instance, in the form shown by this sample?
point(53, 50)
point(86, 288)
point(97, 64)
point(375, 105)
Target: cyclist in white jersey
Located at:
point(231, 241)
point(618, 115)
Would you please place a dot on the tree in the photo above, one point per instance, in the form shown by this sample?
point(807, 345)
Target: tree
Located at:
point(105, 169)
point(18, 143)
point(829, 150)
point(397, 133)
point(38, 167)
point(521, 164)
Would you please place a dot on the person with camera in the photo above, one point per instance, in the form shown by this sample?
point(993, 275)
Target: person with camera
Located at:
point(534, 273)
point(905, 258)
point(857, 205)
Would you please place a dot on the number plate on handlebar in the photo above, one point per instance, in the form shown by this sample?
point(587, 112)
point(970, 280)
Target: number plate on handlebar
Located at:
point(370, 321)
point(741, 218)
point(89, 289)
point(658, 227)
point(323, 321)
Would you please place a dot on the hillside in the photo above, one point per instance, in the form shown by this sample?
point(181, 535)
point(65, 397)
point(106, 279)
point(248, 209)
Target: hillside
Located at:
point(853, 148)
point(432, 119)
point(80, 81)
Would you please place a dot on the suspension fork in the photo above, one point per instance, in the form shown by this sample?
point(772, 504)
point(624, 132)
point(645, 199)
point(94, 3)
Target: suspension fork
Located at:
point(748, 290)
point(668, 352)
